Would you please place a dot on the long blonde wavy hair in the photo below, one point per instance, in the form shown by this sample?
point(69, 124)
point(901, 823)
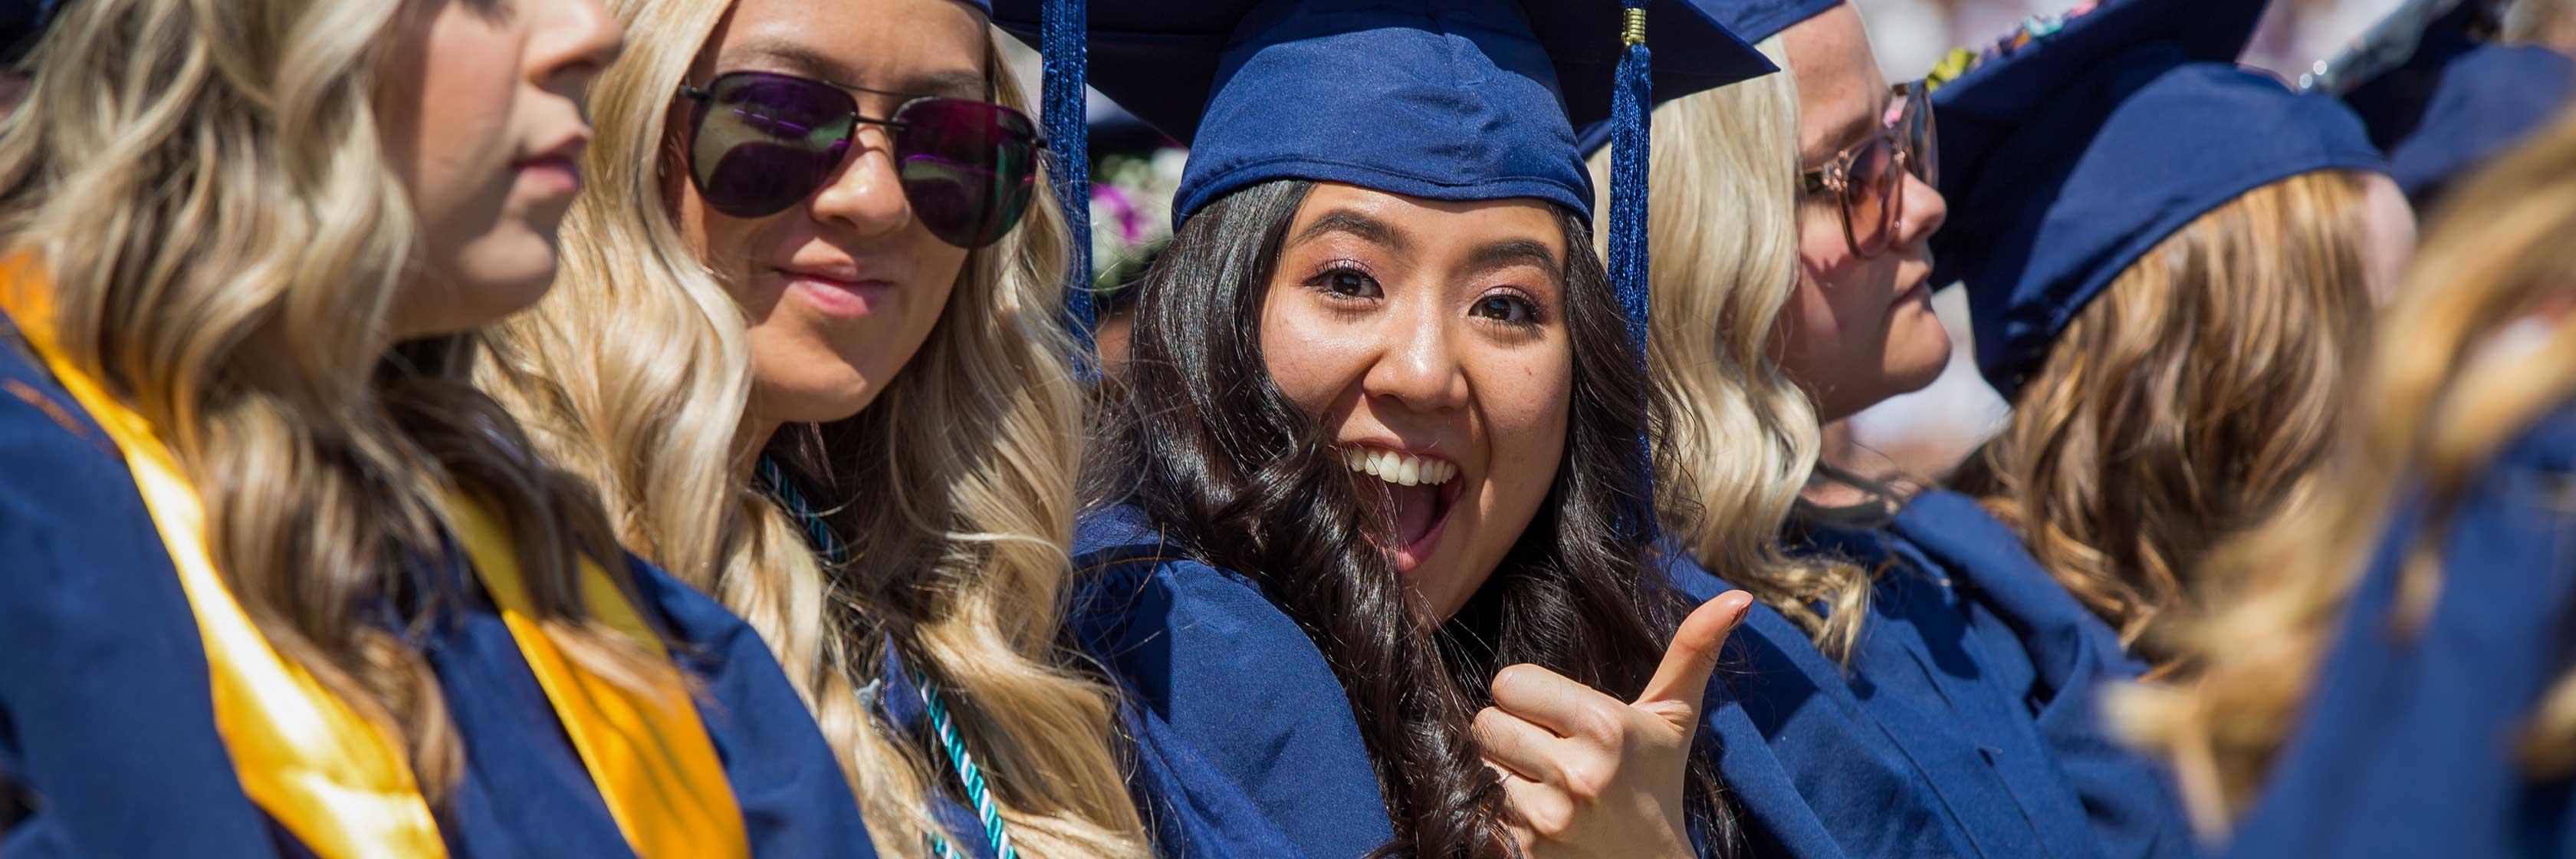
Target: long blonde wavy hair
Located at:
point(953, 491)
point(1742, 438)
point(2193, 398)
point(204, 185)
point(2442, 403)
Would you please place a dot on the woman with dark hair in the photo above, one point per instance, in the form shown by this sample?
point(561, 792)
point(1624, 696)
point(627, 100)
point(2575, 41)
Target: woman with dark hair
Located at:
point(1383, 436)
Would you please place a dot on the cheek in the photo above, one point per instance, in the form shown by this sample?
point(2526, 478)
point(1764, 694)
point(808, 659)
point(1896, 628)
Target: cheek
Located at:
point(725, 245)
point(461, 145)
point(1311, 360)
point(1527, 404)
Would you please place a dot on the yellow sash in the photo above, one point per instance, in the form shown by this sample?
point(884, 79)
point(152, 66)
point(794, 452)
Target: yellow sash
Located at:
point(335, 779)
point(647, 751)
point(324, 772)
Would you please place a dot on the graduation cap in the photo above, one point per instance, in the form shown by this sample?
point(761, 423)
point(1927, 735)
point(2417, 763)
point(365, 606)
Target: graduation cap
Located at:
point(1443, 99)
point(1750, 20)
point(2440, 99)
point(2074, 146)
point(1456, 100)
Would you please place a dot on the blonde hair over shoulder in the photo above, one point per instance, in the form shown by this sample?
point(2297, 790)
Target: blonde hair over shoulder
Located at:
point(2193, 398)
point(953, 490)
point(1742, 438)
point(204, 185)
point(2441, 404)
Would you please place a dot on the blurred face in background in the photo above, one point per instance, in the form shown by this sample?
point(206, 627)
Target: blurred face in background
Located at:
point(481, 107)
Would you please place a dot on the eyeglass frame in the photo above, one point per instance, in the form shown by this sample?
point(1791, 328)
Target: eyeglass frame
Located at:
point(1037, 142)
point(1915, 102)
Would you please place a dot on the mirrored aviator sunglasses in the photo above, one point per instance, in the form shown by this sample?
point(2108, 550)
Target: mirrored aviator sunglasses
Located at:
point(759, 143)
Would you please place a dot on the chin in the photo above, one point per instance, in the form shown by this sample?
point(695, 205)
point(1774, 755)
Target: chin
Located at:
point(816, 401)
point(501, 284)
point(1917, 360)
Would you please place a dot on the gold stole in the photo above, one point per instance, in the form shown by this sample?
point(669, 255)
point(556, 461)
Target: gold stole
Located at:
point(338, 781)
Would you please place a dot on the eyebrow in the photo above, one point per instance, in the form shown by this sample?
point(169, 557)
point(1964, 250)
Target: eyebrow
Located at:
point(802, 60)
point(1495, 255)
point(1362, 226)
point(1857, 129)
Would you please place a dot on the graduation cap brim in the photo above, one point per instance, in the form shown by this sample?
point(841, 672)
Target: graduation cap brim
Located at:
point(2079, 148)
point(1160, 60)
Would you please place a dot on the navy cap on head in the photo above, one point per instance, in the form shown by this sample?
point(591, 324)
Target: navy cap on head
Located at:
point(2451, 101)
point(2074, 147)
point(22, 22)
point(1442, 99)
point(1750, 20)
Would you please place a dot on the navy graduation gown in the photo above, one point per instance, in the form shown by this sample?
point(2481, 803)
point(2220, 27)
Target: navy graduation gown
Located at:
point(1965, 724)
point(2407, 745)
point(1229, 686)
point(108, 745)
point(107, 732)
point(1190, 810)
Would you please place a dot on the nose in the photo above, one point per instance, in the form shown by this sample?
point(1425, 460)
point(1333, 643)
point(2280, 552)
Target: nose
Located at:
point(1924, 212)
point(572, 44)
point(867, 193)
point(1418, 367)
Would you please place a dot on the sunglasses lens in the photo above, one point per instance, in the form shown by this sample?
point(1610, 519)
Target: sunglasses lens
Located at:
point(1869, 198)
point(968, 167)
point(763, 142)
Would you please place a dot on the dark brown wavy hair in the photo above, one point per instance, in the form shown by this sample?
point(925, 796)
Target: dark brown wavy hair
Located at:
point(1242, 478)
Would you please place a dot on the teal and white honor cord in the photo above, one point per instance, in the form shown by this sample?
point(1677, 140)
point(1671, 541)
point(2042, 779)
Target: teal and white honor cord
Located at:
point(942, 726)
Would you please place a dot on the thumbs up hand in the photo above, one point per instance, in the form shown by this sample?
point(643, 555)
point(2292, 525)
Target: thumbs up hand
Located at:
point(1589, 775)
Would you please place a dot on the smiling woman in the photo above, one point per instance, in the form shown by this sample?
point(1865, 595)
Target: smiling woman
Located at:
point(778, 312)
point(1367, 532)
point(1431, 337)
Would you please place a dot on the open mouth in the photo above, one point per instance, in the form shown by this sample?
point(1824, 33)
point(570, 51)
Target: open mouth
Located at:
point(1422, 489)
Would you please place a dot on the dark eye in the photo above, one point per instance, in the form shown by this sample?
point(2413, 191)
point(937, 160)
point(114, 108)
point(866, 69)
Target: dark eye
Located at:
point(1507, 309)
point(1346, 283)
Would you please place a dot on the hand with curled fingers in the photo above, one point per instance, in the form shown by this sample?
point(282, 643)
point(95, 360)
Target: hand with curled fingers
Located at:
point(1589, 775)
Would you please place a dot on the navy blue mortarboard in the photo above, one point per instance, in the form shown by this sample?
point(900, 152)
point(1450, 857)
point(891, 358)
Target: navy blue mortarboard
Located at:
point(1750, 20)
point(1443, 99)
point(2072, 148)
point(2440, 99)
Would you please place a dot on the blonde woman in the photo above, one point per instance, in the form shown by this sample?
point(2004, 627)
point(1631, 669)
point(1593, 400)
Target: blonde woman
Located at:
point(2169, 264)
point(806, 345)
point(1912, 684)
point(280, 581)
point(2411, 695)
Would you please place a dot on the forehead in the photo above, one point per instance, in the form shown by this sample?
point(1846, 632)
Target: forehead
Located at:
point(1840, 89)
point(1435, 224)
point(923, 47)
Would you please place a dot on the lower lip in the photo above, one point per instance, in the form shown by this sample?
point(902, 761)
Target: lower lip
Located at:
point(1411, 556)
point(840, 298)
point(559, 175)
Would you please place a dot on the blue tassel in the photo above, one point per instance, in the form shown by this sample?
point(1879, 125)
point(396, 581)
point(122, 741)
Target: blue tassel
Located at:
point(1629, 144)
point(1068, 133)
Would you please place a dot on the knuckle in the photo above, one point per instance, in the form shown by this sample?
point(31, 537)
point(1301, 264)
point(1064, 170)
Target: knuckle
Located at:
point(1590, 778)
point(1602, 725)
point(1552, 822)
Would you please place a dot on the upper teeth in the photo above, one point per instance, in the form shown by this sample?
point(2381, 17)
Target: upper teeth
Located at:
point(1400, 469)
